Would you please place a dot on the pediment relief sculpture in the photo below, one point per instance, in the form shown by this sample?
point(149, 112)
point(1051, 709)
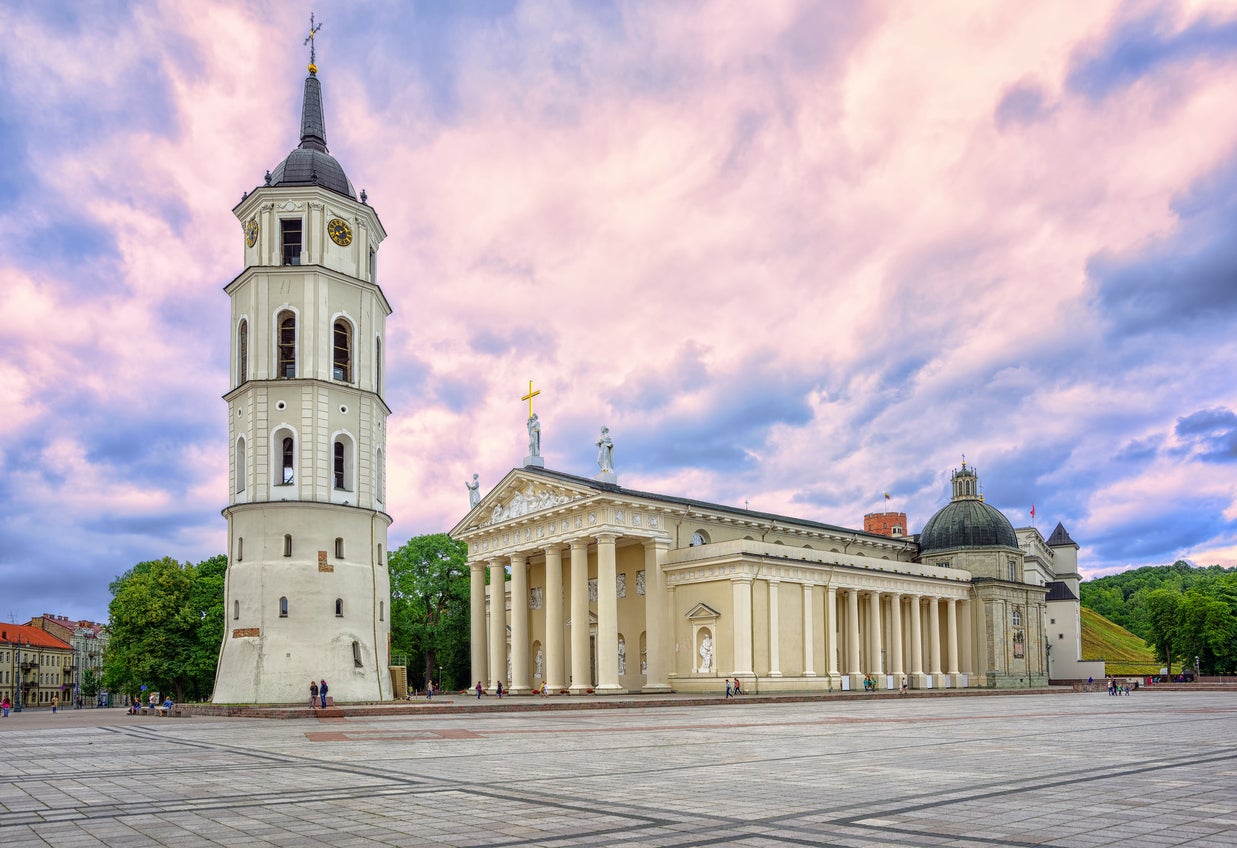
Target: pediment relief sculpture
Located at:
point(527, 500)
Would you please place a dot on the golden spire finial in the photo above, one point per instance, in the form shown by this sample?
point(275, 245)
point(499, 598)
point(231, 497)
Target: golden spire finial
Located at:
point(309, 39)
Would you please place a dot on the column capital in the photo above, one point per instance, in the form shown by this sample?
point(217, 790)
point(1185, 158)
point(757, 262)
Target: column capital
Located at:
point(742, 578)
point(553, 547)
point(477, 566)
point(518, 559)
point(578, 544)
point(608, 538)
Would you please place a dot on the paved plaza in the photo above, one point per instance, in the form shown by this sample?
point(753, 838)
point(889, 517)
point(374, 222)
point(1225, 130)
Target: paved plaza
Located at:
point(1154, 768)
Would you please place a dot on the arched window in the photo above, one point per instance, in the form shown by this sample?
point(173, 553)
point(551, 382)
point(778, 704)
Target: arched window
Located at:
point(242, 352)
point(356, 653)
point(339, 547)
point(287, 544)
point(339, 464)
point(287, 345)
point(283, 606)
point(1017, 617)
point(339, 607)
point(700, 538)
point(343, 463)
point(380, 559)
point(240, 548)
point(342, 351)
point(236, 610)
point(240, 465)
point(381, 609)
point(288, 456)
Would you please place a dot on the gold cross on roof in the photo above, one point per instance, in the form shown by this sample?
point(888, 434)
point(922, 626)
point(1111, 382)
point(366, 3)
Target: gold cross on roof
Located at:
point(309, 39)
point(529, 397)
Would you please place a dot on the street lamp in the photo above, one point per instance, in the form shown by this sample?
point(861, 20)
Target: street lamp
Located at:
point(1197, 674)
point(21, 679)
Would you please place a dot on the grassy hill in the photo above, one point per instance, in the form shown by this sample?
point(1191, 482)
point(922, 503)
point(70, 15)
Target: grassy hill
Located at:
point(1124, 652)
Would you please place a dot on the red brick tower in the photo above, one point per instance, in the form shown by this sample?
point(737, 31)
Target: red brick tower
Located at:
point(891, 524)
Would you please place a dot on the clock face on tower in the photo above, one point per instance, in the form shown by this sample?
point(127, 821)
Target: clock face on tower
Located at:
point(340, 232)
point(251, 232)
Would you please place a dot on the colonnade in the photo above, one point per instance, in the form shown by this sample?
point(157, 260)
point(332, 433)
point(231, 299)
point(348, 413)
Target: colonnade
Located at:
point(489, 649)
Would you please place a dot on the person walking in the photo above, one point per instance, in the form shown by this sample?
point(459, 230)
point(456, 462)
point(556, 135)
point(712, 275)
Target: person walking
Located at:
point(902, 691)
point(55, 703)
point(429, 690)
point(480, 689)
point(313, 694)
point(498, 690)
point(322, 692)
point(729, 694)
point(4, 705)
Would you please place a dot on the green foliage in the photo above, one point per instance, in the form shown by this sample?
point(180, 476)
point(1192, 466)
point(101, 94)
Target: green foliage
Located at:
point(1122, 651)
point(430, 610)
point(166, 626)
point(90, 683)
point(1182, 611)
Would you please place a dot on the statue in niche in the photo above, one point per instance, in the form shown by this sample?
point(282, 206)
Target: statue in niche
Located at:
point(508, 666)
point(622, 656)
point(474, 492)
point(539, 661)
point(534, 435)
point(706, 653)
point(605, 450)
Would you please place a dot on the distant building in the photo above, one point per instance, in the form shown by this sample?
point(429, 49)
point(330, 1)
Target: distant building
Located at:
point(35, 666)
point(89, 641)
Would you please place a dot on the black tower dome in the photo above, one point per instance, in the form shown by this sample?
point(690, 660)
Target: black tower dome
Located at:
point(966, 521)
point(311, 164)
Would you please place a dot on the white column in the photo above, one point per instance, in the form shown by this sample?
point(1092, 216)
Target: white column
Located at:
point(831, 633)
point(775, 649)
point(809, 633)
point(852, 639)
point(895, 638)
point(916, 626)
point(951, 640)
point(498, 624)
point(875, 664)
point(581, 667)
point(520, 684)
point(553, 670)
point(966, 613)
point(656, 645)
point(607, 618)
point(741, 588)
point(476, 620)
point(934, 641)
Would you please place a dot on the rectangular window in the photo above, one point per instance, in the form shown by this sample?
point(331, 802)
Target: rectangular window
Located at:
point(290, 234)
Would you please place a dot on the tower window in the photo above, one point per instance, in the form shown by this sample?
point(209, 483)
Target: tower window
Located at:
point(378, 365)
point(339, 607)
point(373, 265)
point(356, 653)
point(240, 548)
point(380, 475)
point(1017, 618)
point(240, 465)
point(236, 610)
point(283, 602)
point(342, 351)
point(290, 234)
point(342, 467)
point(242, 352)
point(287, 544)
point(1012, 573)
point(288, 454)
point(287, 345)
point(381, 609)
point(339, 547)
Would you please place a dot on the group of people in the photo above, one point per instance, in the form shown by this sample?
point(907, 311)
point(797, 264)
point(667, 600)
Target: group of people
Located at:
point(498, 689)
point(733, 689)
point(317, 694)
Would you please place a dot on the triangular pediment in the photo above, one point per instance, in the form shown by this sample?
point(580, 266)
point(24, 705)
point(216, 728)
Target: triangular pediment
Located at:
point(702, 611)
point(521, 493)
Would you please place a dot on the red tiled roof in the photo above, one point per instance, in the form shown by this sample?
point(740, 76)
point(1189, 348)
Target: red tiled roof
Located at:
point(15, 634)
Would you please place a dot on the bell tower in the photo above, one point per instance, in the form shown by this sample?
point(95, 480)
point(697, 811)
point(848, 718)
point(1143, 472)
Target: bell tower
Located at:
point(307, 592)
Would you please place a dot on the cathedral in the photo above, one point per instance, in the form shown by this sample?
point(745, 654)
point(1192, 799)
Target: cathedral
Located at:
point(595, 588)
point(307, 593)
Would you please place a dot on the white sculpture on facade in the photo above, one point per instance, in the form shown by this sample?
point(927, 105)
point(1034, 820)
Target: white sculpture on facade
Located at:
point(474, 492)
point(605, 451)
point(539, 661)
point(622, 656)
point(534, 435)
point(706, 653)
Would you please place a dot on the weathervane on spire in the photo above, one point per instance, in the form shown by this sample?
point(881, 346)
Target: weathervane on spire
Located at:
point(309, 39)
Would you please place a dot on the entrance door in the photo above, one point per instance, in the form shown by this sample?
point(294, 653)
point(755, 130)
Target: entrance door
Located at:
point(592, 660)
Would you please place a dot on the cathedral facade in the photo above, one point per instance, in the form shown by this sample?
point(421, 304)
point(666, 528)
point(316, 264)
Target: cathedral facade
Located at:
point(582, 586)
point(307, 589)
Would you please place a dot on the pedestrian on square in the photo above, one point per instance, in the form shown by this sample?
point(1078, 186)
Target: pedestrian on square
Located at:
point(154, 702)
point(480, 689)
point(498, 690)
point(55, 703)
point(313, 694)
point(738, 690)
point(429, 690)
point(322, 692)
point(902, 691)
point(729, 694)
point(4, 705)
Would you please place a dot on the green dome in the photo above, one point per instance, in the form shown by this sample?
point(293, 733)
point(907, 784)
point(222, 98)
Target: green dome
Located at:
point(968, 523)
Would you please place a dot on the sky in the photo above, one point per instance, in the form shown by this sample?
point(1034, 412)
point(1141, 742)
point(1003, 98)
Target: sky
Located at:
point(793, 255)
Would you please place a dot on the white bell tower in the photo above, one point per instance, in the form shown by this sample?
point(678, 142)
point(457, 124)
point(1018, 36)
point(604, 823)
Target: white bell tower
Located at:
point(307, 594)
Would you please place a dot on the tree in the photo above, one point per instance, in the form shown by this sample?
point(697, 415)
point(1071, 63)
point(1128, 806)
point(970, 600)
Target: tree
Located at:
point(1206, 629)
point(1162, 606)
point(90, 684)
point(166, 625)
point(429, 606)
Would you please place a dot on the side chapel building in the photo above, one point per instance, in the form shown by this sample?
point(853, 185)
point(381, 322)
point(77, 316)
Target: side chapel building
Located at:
point(613, 590)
